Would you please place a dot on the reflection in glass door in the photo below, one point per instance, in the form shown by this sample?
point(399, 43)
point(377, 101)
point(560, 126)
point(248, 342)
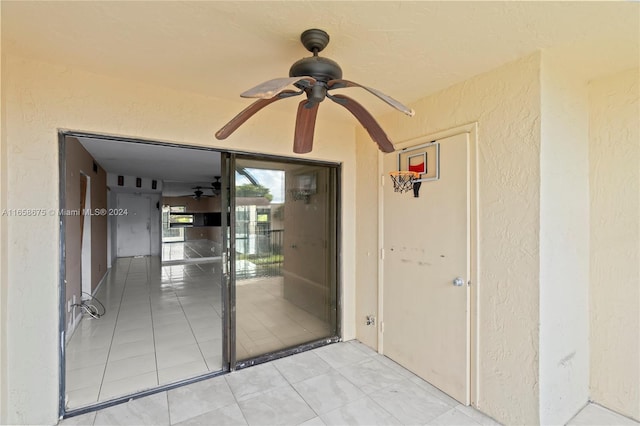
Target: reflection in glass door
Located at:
point(285, 255)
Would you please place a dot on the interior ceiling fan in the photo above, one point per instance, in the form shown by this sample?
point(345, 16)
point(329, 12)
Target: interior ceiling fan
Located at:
point(198, 192)
point(314, 76)
point(215, 187)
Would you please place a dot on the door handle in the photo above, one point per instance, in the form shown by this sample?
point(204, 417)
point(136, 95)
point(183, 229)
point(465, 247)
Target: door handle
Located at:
point(458, 282)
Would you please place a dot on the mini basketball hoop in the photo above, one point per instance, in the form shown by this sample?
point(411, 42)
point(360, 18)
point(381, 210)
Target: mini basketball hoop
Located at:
point(403, 180)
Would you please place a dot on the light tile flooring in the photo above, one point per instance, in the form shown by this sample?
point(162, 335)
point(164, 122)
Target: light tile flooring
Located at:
point(340, 384)
point(595, 415)
point(266, 321)
point(163, 324)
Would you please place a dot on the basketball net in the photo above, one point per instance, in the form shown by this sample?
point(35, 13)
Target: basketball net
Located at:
point(403, 180)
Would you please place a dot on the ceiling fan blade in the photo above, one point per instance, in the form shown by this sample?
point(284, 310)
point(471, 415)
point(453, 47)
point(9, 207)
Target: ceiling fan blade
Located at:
point(375, 131)
point(245, 114)
point(305, 126)
point(271, 88)
point(339, 84)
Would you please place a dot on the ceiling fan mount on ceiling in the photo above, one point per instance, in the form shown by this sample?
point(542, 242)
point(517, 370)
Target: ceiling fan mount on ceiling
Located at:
point(321, 68)
point(314, 76)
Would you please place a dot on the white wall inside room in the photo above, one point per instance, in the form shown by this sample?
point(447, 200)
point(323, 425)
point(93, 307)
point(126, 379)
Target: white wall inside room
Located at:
point(614, 161)
point(506, 104)
point(564, 241)
point(41, 98)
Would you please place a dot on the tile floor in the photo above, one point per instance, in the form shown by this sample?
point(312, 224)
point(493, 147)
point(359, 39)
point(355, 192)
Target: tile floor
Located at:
point(266, 321)
point(163, 324)
point(595, 415)
point(338, 384)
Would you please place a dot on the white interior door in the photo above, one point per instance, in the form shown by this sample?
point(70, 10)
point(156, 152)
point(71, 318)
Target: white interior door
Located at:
point(426, 248)
point(134, 227)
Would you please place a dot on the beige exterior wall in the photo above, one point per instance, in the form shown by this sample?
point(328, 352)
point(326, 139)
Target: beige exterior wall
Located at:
point(506, 104)
point(40, 99)
point(367, 258)
point(564, 241)
point(4, 254)
point(614, 159)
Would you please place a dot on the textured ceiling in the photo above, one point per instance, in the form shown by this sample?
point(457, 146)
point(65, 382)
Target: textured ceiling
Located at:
point(406, 49)
point(219, 49)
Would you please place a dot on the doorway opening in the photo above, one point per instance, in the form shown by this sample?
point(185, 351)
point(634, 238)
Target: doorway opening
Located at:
point(171, 249)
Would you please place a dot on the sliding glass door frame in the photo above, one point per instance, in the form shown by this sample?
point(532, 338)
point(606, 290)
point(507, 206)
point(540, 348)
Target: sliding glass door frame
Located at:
point(228, 272)
point(229, 255)
point(230, 246)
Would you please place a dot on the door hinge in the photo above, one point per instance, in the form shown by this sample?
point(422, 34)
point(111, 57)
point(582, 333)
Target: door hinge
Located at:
point(382, 180)
point(381, 254)
point(381, 327)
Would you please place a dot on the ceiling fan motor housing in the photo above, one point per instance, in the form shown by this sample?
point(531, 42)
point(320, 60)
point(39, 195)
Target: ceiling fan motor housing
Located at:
point(318, 67)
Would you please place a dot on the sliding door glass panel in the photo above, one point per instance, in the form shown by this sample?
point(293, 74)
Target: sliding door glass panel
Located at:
point(285, 255)
point(157, 315)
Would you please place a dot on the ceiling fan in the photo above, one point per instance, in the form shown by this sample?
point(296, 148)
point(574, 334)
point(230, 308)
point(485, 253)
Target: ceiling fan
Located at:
point(198, 192)
point(215, 188)
point(314, 76)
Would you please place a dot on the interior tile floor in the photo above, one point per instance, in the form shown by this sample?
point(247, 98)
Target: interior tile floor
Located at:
point(340, 384)
point(163, 324)
point(266, 321)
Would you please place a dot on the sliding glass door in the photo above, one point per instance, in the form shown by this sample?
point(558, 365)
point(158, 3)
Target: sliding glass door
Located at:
point(284, 255)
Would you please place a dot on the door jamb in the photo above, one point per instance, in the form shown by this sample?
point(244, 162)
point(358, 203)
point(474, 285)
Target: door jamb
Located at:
point(471, 129)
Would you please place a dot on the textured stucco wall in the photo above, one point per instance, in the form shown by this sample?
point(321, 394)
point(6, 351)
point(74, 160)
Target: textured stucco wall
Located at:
point(4, 282)
point(42, 98)
point(506, 104)
point(367, 184)
point(614, 143)
point(564, 241)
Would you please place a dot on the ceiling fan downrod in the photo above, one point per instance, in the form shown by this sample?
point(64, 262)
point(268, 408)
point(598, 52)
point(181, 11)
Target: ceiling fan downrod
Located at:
point(321, 68)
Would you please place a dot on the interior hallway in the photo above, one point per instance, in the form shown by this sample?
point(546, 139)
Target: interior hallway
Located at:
point(340, 384)
point(162, 324)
